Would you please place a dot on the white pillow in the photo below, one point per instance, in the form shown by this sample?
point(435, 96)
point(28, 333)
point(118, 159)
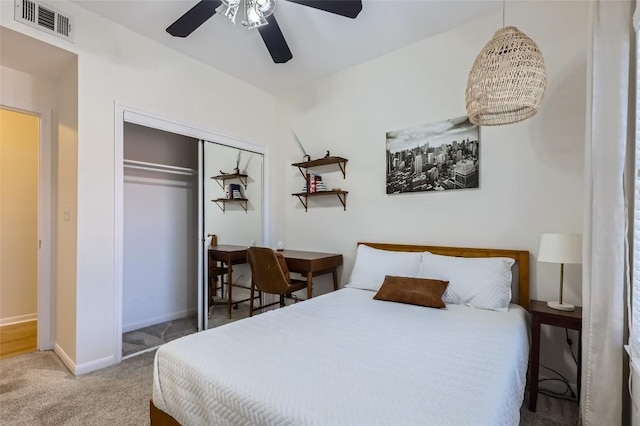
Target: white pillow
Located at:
point(483, 283)
point(372, 265)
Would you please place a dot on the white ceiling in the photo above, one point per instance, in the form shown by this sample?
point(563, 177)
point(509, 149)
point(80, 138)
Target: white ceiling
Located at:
point(322, 43)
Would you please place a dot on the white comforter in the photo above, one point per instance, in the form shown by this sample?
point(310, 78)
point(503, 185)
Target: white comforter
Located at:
point(346, 359)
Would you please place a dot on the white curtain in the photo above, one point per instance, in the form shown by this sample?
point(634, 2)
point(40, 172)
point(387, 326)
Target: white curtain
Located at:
point(604, 233)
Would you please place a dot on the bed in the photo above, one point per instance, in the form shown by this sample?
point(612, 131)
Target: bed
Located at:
point(344, 358)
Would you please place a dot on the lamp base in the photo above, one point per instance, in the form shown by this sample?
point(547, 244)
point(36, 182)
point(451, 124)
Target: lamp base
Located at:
point(561, 306)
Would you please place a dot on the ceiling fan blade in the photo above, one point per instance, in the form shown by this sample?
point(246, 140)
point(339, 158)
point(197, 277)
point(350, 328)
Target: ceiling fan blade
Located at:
point(275, 42)
point(347, 8)
point(196, 16)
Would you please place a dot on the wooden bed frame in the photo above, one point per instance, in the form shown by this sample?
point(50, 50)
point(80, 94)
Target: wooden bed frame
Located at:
point(160, 418)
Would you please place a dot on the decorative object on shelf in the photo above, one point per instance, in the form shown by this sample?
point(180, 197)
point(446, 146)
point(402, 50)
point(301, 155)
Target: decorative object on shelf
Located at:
point(313, 182)
point(279, 246)
point(508, 79)
point(232, 191)
point(328, 154)
point(560, 248)
point(437, 156)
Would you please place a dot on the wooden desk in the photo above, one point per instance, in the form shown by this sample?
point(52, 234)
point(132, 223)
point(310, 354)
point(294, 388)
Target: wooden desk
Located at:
point(312, 264)
point(229, 255)
point(542, 314)
point(309, 264)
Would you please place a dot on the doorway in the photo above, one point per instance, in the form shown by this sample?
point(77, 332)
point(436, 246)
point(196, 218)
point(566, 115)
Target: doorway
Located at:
point(19, 239)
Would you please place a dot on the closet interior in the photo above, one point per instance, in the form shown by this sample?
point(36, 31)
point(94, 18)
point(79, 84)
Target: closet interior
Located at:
point(160, 259)
point(181, 195)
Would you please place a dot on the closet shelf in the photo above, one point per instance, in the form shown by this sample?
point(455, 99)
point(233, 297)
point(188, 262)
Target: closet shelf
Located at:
point(222, 203)
point(222, 178)
point(155, 167)
point(303, 197)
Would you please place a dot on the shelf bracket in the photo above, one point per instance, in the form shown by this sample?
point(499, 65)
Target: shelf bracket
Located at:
point(243, 180)
point(222, 206)
point(343, 169)
point(305, 203)
point(243, 204)
point(343, 200)
point(302, 173)
point(221, 184)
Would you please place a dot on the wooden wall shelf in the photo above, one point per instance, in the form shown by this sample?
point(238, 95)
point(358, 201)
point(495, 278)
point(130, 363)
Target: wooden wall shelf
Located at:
point(303, 197)
point(222, 178)
point(222, 203)
point(341, 162)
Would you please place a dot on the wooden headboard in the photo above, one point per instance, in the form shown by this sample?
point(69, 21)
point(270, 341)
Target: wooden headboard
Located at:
point(520, 256)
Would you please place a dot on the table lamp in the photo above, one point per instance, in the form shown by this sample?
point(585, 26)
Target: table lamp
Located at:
point(560, 248)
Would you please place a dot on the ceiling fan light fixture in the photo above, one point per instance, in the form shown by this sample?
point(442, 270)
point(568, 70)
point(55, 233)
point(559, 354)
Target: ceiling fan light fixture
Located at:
point(253, 17)
point(229, 9)
point(266, 7)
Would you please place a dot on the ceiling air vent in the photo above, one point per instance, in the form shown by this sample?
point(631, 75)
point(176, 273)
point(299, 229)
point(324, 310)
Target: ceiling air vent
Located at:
point(39, 15)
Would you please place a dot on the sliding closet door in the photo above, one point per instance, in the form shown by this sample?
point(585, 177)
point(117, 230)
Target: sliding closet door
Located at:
point(233, 214)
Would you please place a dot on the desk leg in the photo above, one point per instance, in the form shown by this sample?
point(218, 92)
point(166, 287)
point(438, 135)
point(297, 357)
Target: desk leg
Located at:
point(309, 285)
point(534, 364)
point(335, 278)
point(579, 378)
point(229, 289)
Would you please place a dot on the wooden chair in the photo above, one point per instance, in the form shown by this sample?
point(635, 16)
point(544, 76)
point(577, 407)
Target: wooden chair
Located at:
point(269, 274)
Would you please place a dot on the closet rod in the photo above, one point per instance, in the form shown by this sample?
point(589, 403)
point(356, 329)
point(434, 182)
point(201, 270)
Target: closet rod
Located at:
point(141, 165)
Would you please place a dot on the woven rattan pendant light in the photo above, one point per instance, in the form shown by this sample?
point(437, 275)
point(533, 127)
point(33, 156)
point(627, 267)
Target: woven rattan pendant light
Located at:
point(507, 80)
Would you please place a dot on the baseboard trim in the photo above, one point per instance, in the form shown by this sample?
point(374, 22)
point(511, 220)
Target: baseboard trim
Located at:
point(87, 367)
point(18, 319)
point(98, 364)
point(157, 320)
point(66, 360)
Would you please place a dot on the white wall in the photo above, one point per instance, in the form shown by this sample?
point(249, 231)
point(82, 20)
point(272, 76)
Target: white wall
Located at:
point(65, 160)
point(116, 64)
point(531, 176)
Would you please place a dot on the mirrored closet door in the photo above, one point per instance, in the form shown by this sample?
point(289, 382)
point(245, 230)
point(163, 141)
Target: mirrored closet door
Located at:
point(232, 190)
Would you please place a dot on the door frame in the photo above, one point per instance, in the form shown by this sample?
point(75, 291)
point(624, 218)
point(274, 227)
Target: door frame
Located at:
point(45, 305)
point(124, 113)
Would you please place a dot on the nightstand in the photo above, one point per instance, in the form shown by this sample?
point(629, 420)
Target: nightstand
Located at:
point(542, 314)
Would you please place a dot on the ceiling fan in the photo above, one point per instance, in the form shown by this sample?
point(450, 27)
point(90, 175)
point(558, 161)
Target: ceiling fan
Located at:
point(258, 14)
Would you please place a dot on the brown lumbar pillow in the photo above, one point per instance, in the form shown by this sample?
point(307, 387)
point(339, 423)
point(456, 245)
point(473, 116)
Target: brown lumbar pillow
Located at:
point(283, 265)
point(414, 291)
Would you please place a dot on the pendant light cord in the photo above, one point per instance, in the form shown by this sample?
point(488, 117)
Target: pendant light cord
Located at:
point(504, 6)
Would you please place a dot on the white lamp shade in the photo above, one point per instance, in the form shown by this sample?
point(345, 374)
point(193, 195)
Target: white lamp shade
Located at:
point(560, 248)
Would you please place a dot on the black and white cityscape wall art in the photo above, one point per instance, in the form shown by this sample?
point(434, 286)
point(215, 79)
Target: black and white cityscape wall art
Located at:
point(437, 156)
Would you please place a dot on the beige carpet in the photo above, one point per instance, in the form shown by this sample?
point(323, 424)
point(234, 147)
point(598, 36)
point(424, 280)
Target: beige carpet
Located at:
point(36, 389)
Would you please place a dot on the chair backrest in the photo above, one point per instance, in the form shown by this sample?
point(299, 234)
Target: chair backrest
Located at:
point(266, 272)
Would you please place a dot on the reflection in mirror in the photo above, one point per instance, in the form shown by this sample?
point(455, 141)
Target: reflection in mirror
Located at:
point(233, 219)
